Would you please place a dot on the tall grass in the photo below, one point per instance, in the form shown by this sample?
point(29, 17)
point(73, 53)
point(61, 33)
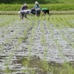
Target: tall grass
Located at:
point(16, 7)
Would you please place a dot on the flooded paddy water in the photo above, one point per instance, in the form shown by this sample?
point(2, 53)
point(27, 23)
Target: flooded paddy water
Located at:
point(37, 45)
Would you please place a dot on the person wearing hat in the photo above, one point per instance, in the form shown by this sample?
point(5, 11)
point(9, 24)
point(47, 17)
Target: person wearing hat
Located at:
point(45, 11)
point(23, 11)
point(36, 9)
point(24, 7)
point(36, 5)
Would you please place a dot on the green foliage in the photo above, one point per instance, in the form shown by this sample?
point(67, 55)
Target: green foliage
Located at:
point(16, 7)
point(28, 1)
point(32, 1)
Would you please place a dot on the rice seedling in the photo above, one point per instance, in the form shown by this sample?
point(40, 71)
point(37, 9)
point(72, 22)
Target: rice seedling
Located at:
point(70, 69)
point(67, 31)
point(43, 52)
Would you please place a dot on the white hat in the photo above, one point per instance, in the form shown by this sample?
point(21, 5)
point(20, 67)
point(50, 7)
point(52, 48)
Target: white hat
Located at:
point(36, 2)
point(25, 4)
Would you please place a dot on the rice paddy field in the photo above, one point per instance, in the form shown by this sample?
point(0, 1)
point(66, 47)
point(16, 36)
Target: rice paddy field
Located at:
point(37, 45)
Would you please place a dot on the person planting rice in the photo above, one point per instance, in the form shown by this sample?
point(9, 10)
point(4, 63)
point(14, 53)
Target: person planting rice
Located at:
point(36, 5)
point(45, 11)
point(24, 11)
point(36, 9)
point(23, 8)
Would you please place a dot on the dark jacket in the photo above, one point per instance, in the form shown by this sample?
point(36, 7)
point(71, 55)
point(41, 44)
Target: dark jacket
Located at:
point(24, 7)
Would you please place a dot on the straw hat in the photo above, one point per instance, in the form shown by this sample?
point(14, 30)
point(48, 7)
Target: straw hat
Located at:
point(25, 4)
point(36, 2)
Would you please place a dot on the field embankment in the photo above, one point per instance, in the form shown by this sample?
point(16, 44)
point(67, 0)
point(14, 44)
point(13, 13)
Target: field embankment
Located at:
point(51, 12)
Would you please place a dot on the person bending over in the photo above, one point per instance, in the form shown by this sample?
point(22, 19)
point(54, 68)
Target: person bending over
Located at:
point(36, 9)
point(45, 11)
point(23, 11)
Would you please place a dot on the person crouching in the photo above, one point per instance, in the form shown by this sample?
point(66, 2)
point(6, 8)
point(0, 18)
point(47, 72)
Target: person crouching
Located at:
point(45, 11)
point(36, 9)
point(23, 11)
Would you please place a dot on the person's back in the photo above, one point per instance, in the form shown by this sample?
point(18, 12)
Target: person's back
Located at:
point(24, 7)
point(23, 11)
point(45, 11)
point(36, 5)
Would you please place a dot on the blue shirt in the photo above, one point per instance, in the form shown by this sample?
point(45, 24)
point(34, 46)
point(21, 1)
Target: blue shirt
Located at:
point(36, 6)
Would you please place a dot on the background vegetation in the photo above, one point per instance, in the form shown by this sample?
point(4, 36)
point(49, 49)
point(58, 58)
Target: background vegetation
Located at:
point(32, 1)
point(15, 5)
